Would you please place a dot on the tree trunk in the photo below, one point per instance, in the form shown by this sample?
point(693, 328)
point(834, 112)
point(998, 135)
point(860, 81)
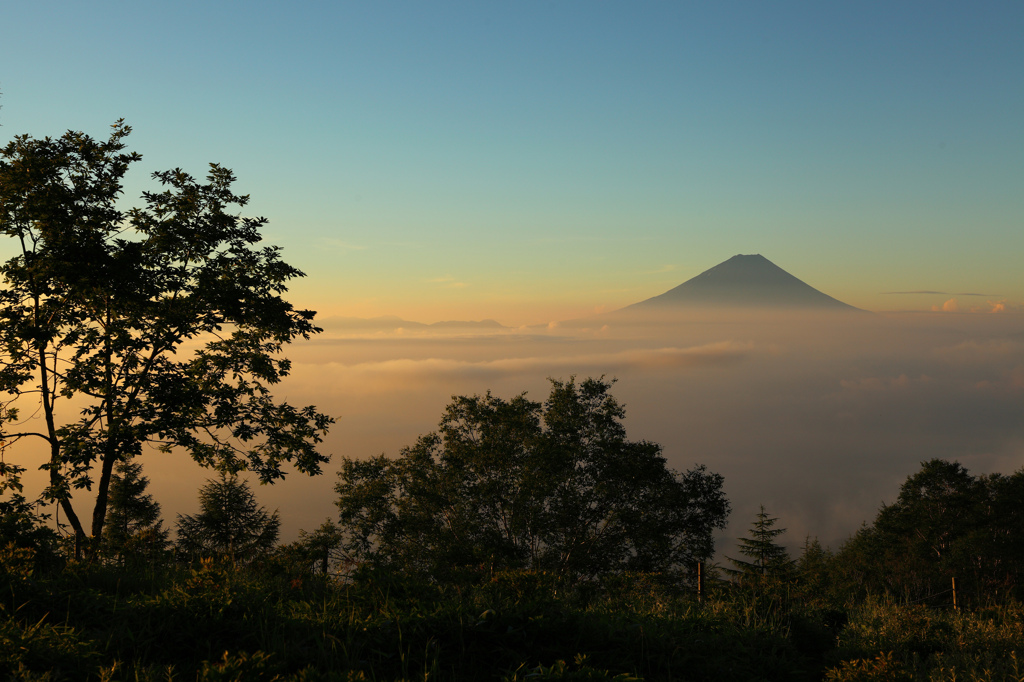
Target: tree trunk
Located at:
point(99, 512)
point(51, 433)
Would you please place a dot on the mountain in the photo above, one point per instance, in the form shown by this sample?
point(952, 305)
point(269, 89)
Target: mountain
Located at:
point(742, 282)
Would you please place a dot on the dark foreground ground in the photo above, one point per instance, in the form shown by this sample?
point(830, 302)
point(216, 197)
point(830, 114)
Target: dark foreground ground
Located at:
point(88, 622)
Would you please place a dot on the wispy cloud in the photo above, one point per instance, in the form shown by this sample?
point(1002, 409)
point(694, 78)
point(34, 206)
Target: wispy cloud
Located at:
point(876, 384)
point(340, 245)
point(447, 281)
point(938, 293)
point(976, 352)
point(631, 237)
point(723, 353)
point(403, 245)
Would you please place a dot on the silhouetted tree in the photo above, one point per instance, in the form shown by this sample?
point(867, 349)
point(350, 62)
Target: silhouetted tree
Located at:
point(313, 554)
point(815, 569)
point(22, 526)
point(322, 545)
point(516, 484)
point(766, 558)
point(230, 523)
point(1000, 542)
point(944, 524)
point(99, 305)
point(133, 529)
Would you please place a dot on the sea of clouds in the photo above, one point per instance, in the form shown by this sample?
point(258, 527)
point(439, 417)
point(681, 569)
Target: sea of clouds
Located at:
point(820, 418)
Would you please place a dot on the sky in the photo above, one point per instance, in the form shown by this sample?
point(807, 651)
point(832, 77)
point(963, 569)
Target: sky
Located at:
point(535, 162)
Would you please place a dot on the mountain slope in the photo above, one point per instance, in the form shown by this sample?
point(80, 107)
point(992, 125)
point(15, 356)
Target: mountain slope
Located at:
point(743, 281)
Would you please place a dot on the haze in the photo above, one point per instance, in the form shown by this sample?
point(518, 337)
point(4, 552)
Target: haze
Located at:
point(817, 415)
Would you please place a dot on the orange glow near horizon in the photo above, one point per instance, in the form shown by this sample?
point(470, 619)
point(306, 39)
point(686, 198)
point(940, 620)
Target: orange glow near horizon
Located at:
point(425, 307)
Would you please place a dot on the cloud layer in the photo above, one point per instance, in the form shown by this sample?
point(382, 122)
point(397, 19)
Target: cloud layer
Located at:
point(818, 419)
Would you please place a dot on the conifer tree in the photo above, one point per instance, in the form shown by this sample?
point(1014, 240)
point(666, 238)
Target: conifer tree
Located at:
point(814, 568)
point(230, 523)
point(134, 528)
point(766, 559)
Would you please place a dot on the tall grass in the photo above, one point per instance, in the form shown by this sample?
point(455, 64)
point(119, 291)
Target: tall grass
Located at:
point(209, 622)
point(921, 643)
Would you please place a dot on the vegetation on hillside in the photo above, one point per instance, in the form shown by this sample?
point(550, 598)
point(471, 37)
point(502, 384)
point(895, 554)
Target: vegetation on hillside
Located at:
point(297, 612)
point(277, 620)
point(521, 541)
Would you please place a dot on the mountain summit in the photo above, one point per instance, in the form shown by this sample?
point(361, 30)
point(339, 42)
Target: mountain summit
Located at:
point(743, 282)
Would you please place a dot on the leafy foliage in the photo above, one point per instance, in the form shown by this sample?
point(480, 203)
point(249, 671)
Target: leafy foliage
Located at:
point(230, 524)
point(519, 485)
point(22, 528)
point(215, 621)
point(100, 308)
point(945, 524)
point(315, 555)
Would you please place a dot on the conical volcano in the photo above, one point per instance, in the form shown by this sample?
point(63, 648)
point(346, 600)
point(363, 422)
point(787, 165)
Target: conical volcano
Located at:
point(743, 282)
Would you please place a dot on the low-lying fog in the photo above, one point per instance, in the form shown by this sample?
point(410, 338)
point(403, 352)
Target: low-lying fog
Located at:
point(818, 417)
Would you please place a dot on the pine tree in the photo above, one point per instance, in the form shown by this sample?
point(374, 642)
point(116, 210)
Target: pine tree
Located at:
point(230, 524)
point(767, 559)
point(133, 529)
point(815, 569)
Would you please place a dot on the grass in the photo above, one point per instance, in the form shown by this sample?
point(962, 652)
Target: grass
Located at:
point(212, 623)
point(918, 643)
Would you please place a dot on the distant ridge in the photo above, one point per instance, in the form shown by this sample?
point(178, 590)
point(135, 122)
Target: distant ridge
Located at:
point(392, 323)
point(743, 281)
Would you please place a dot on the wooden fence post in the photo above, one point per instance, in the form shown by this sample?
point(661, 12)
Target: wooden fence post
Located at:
point(955, 608)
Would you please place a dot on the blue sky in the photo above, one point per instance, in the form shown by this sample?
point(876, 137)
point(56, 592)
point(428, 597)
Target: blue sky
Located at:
point(535, 160)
